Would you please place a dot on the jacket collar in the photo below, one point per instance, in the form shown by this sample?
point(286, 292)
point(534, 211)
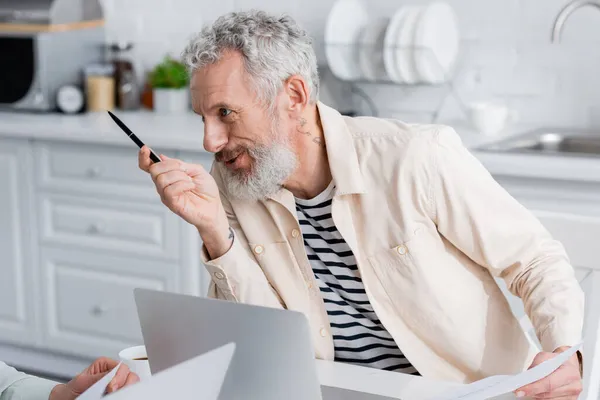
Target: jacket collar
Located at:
point(343, 160)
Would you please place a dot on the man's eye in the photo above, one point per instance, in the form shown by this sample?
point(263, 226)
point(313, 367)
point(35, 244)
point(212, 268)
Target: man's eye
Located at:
point(224, 112)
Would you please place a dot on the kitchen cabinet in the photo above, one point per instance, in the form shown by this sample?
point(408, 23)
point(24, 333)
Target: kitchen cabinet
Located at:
point(17, 288)
point(88, 302)
point(80, 228)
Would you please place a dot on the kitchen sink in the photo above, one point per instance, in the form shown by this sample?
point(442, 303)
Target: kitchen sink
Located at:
point(560, 142)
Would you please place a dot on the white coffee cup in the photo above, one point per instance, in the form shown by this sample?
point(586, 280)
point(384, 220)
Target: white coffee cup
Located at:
point(490, 118)
point(131, 357)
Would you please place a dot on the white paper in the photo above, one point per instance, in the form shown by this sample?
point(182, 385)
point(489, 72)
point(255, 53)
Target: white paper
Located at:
point(97, 390)
point(199, 378)
point(503, 384)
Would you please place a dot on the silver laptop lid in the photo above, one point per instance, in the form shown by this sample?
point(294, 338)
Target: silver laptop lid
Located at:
point(274, 357)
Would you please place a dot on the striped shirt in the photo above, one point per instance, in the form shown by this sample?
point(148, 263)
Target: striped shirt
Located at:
point(358, 335)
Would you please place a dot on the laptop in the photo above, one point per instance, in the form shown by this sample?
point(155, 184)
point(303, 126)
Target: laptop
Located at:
point(274, 356)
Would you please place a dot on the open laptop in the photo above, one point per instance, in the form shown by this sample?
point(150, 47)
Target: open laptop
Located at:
point(274, 357)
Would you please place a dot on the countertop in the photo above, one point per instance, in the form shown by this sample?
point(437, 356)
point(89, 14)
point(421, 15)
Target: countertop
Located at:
point(162, 132)
point(184, 132)
point(538, 166)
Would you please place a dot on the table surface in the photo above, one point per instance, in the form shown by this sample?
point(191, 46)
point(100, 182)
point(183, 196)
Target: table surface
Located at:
point(378, 382)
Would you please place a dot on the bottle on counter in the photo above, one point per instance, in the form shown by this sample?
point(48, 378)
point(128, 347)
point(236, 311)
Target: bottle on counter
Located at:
point(127, 88)
point(100, 87)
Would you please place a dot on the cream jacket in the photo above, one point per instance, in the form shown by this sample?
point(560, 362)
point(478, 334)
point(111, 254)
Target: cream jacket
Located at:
point(430, 228)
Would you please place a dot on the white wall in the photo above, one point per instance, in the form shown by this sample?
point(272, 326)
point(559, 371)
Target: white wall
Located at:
point(506, 51)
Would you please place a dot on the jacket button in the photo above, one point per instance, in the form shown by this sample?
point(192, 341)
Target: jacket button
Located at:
point(323, 332)
point(295, 233)
point(402, 250)
point(259, 249)
point(219, 275)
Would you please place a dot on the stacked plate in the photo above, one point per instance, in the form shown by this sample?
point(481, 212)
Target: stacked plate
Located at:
point(418, 44)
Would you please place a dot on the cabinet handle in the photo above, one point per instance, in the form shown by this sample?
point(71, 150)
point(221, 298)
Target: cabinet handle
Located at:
point(95, 229)
point(94, 172)
point(98, 311)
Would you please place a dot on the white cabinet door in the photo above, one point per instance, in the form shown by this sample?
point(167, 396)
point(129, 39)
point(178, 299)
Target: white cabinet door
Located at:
point(17, 322)
point(196, 279)
point(88, 299)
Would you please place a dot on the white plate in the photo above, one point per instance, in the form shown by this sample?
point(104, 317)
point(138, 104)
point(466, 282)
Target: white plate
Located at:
point(345, 23)
point(405, 56)
point(437, 36)
point(371, 50)
point(390, 46)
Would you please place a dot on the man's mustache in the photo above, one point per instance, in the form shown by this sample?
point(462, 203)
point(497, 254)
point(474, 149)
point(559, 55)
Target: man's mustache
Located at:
point(226, 155)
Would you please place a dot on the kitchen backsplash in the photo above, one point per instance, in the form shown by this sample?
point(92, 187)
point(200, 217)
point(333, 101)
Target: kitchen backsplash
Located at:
point(506, 53)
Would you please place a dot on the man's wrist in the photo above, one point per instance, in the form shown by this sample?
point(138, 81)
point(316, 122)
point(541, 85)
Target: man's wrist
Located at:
point(217, 241)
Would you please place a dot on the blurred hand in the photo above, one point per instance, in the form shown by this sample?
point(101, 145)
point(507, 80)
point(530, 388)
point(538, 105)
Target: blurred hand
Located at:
point(564, 383)
point(190, 192)
point(93, 374)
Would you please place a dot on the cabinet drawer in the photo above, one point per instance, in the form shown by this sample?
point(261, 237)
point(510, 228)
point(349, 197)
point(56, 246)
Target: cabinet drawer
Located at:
point(89, 303)
point(102, 170)
point(126, 227)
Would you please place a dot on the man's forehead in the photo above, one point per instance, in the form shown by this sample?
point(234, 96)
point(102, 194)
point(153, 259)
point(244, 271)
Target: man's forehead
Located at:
point(228, 71)
point(219, 83)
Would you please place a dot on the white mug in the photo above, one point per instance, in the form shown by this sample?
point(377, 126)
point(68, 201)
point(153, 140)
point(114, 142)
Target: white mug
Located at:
point(131, 356)
point(490, 118)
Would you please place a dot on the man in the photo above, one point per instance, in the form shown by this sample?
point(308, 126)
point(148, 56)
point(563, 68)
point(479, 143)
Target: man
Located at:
point(15, 385)
point(386, 235)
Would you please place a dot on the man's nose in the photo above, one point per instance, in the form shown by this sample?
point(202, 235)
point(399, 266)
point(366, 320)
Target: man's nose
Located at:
point(215, 138)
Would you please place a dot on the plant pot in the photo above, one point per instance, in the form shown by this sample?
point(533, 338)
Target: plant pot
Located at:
point(170, 101)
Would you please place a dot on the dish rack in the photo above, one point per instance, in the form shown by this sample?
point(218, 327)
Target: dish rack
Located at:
point(357, 76)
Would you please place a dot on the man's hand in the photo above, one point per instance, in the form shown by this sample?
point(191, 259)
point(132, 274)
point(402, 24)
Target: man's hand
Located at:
point(191, 192)
point(564, 383)
point(93, 374)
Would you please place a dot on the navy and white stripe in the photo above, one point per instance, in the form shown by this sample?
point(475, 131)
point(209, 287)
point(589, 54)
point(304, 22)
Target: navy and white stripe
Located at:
point(358, 335)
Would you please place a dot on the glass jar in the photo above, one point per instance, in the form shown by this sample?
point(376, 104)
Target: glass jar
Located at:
point(100, 87)
point(127, 96)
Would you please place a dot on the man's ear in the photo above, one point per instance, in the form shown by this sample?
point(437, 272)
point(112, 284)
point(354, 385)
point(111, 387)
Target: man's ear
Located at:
point(298, 94)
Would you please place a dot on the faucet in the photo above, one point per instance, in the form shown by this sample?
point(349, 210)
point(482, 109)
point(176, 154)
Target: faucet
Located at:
point(566, 13)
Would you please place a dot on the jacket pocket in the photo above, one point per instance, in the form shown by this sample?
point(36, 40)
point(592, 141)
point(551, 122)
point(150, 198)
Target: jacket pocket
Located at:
point(399, 257)
point(279, 265)
point(432, 287)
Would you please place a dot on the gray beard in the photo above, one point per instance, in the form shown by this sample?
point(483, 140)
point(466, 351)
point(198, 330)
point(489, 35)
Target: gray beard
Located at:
point(273, 164)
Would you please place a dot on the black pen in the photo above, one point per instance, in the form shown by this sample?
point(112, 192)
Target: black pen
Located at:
point(132, 136)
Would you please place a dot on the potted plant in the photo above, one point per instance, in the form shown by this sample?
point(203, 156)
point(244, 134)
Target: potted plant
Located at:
point(169, 81)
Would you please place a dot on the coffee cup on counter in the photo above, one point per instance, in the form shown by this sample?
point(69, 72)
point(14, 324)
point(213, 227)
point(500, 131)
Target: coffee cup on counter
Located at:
point(136, 358)
point(490, 118)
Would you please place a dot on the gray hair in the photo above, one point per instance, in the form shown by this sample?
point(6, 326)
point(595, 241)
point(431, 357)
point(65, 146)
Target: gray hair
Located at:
point(273, 49)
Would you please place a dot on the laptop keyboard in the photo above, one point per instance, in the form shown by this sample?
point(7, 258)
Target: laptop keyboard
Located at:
point(334, 393)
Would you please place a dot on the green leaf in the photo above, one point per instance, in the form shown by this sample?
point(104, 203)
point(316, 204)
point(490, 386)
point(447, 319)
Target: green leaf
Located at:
point(169, 74)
